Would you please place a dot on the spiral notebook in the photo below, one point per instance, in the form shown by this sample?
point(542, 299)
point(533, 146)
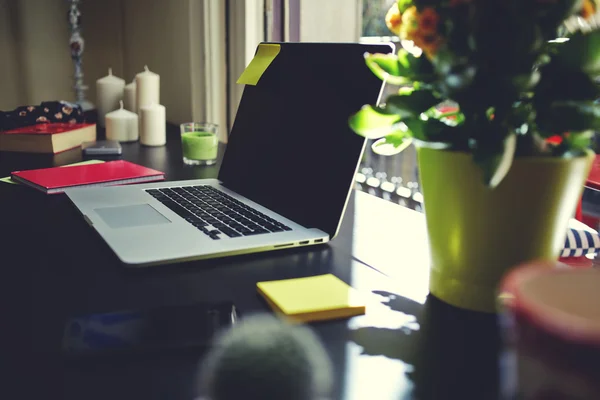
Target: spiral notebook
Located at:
point(55, 180)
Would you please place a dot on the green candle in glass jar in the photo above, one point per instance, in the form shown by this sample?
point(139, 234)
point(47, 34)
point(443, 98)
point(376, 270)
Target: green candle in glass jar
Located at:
point(199, 147)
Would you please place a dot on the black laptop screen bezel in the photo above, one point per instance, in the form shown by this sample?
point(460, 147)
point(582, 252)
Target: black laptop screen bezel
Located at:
point(290, 148)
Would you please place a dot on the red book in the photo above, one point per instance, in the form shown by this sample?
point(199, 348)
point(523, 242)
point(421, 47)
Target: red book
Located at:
point(47, 138)
point(110, 173)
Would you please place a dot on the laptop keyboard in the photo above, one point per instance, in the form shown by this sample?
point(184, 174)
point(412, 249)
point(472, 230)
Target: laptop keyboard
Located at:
point(215, 213)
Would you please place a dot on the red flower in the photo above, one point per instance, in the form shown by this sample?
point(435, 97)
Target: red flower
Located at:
point(448, 110)
point(556, 139)
point(428, 21)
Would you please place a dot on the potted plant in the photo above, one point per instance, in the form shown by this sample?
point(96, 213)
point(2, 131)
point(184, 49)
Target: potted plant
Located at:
point(499, 98)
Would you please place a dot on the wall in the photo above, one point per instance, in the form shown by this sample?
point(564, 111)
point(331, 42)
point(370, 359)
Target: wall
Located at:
point(330, 20)
point(102, 29)
point(34, 49)
point(209, 67)
point(11, 79)
point(124, 35)
point(246, 31)
point(45, 50)
point(157, 34)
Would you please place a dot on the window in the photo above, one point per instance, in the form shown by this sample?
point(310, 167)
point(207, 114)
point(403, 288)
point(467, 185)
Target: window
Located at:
point(373, 12)
point(393, 178)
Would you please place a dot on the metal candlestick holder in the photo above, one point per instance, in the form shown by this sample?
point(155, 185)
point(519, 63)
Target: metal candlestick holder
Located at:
point(77, 45)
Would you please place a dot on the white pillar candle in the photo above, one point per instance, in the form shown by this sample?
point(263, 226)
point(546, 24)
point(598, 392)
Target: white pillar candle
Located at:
point(153, 125)
point(129, 97)
point(122, 125)
point(148, 88)
point(109, 91)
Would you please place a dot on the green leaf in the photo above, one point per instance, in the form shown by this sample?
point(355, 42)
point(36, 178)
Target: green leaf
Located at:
point(495, 162)
point(460, 79)
point(570, 116)
point(386, 67)
point(431, 132)
point(522, 117)
point(457, 72)
point(419, 66)
point(373, 122)
point(411, 102)
point(578, 141)
point(404, 4)
point(450, 118)
point(392, 144)
point(524, 82)
point(581, 52)
point(400, 69)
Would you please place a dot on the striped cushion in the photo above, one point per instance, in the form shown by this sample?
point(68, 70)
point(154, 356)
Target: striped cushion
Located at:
point(580, 242)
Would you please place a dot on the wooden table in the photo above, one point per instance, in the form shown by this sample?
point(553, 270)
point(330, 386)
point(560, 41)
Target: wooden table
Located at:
point(408, 345)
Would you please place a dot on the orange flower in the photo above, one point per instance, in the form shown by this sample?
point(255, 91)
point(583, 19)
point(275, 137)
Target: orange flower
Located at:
point(556, 139)
point(393, 19)
point(588, 9)
point(421, 28)
point(410, 21)
point(429, 43)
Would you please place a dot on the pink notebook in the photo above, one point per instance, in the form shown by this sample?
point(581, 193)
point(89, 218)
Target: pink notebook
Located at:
point(55, 180)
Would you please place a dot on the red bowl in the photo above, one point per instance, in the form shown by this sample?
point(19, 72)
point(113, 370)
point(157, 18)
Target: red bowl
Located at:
point(550, 319)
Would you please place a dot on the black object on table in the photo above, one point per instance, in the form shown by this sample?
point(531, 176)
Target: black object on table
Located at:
point(54, 266)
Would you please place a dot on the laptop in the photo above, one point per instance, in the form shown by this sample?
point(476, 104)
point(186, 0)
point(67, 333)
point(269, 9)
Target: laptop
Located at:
point(285, 177)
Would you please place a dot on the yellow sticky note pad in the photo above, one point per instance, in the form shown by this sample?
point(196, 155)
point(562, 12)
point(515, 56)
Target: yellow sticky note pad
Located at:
point(265, 55)
point(8, 179)
point(314, 298)
point(86, 162)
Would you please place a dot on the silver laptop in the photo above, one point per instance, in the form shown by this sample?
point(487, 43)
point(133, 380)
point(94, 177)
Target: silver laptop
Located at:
point(285, 177)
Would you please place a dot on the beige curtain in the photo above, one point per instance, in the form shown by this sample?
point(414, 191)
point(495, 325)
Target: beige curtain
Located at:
point(125, 35)
point(34, 50)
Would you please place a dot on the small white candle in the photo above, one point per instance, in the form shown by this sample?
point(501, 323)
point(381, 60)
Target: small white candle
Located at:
point(122, 125)
point(109, 91)
point(129, 97)
point(153, 125)
point(147, 88)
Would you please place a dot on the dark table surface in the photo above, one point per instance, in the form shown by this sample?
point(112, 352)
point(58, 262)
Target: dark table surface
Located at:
point(408, 345)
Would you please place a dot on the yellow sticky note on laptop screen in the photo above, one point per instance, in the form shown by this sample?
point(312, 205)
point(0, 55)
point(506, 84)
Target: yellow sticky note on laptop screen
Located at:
point(314, 298)
point(265, 55)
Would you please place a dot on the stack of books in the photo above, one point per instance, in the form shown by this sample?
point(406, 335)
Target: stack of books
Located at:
point(47, 138)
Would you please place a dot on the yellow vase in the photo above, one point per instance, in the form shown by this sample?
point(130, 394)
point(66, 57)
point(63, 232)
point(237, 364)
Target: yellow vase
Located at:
point(476, 233)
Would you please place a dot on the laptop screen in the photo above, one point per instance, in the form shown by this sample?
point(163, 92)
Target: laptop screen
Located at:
point(290, 148)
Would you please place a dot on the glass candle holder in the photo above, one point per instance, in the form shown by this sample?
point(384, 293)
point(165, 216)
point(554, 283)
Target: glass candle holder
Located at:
point(200, 143)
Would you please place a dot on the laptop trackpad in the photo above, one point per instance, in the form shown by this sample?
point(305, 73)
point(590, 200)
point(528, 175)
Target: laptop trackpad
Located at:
point(131, 216)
